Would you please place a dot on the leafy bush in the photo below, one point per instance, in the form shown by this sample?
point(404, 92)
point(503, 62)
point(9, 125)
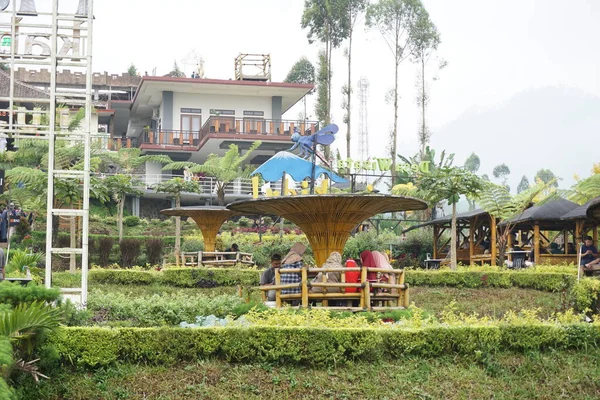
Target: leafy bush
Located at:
point(204, 277)
point(105, 245)
point(154, 250)
point(586, 295)
point(20, 259)
point(15, 294)
point(131, 220)
point(23, 228)
point(160, 310)
point(93, 347)
point(192, 245)
point(130, 251)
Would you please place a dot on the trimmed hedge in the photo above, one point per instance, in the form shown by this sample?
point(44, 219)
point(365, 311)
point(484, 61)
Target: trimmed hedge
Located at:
point(14, 294)
point(181, 277)
point(546, 281)
point(95, 347)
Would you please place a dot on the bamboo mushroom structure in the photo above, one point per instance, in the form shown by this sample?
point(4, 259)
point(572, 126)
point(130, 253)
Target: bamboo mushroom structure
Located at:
point(328, 220)
point(208, 219)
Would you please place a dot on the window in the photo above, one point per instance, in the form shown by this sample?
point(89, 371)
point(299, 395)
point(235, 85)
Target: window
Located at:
point(190, 110)
point(254, 113)
point(190, 128)
point(221, 112)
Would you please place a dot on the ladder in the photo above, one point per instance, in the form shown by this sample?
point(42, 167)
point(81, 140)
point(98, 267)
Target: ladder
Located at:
point(54, 38)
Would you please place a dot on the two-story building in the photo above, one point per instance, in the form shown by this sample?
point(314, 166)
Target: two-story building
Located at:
point(190, 118)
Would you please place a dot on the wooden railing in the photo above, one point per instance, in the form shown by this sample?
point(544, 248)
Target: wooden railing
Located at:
point(371, 295)
point(119, 143)
point(257, 126)
point(171, 138)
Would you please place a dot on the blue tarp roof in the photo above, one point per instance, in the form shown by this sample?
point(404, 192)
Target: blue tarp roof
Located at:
point(298, 168)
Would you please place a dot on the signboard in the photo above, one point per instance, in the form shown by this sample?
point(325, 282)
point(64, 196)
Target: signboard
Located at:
point(350, 166)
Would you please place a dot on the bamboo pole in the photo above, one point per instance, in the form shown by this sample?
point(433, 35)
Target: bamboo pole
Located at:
point(536, 242)
point(387, 286)
point(406, 297)
point(363, 280)
point(277, 291)
point(435, 241)
point(304, 287)
point(386, 271)
point(355, 269)
point(472, 240)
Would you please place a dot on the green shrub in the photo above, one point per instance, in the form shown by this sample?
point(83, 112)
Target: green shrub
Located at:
point(131, 220)
point(585, 295)
point(160, 310)
point(550, 282)
point(154, 251)
point(130, 251)
point(105, 245)
point(14, 294)
point(191, 245)
point(204, 277)
point(93, 347)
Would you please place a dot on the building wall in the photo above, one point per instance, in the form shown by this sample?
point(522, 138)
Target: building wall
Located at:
point(224, 102)
point(153, 173)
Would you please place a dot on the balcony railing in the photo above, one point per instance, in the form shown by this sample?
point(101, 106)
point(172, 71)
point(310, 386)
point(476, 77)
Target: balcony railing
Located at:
point(228, 125)
point(118, 143)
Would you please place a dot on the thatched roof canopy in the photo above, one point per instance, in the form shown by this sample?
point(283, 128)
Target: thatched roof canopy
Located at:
point(447, 219)
point(327, 220)
point(588, 211)
point(548, 216)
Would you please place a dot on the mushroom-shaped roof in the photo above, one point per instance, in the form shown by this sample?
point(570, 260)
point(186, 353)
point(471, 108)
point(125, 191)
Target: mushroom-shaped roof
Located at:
point(590, 210)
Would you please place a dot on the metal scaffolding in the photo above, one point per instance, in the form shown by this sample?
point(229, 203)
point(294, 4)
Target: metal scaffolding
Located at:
point(50, 37)
point(363, 124)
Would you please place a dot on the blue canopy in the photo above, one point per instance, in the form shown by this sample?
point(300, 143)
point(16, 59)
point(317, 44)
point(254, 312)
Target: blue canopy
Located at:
point(298, 168)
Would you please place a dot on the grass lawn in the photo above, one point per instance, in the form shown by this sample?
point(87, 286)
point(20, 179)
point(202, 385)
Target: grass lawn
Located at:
point(503, 376)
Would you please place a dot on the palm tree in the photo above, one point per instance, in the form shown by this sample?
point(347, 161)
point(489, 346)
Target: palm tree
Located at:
point(176, 186)
point(224, 169)
point(123, 182)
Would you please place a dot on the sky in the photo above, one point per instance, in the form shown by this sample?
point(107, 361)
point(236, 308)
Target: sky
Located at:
point(494, 49)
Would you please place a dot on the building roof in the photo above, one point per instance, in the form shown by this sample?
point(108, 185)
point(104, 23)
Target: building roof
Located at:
point(464, 216)
point(149, 87)
point(591, 209)
point(22, 90)
point(548, 215)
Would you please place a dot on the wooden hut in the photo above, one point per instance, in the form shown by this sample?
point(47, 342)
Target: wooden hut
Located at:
point(586, 217)
point(537, 224)
point(473, 227)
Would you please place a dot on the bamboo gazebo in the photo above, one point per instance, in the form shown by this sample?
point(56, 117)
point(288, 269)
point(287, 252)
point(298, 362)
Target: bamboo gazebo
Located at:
point(208, 219)
point(586, 218)
point(328, 220)
point(473, 227)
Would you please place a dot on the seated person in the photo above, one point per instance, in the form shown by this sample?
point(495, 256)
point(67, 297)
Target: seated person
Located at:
point(554, 249)
point(292, 260)
point(571, 248)
point(333, 261)
point(485, 243)
point(233, 249)
point(589, 254)
point(268, 276)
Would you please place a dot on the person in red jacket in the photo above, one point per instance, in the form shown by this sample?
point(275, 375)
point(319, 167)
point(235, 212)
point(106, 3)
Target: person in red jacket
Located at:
point(352, 276)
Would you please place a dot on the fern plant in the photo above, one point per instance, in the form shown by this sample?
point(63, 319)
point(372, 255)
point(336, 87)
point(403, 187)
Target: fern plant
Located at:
point(21, 258)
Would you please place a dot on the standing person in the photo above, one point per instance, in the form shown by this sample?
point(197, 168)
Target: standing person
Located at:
point(187, 175)
point(268, 276)
point(293, 260)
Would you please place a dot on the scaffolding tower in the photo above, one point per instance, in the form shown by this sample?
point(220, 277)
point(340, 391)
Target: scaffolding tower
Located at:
point(51, 37)
point(363, 125)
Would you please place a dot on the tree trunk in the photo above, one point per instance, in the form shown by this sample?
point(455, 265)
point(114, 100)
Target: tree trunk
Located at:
point(453, 255)
point(423, 98)
point(349, 97)
point(221, 193)
point(395, 133)
point(177, 230)
point(121, 210)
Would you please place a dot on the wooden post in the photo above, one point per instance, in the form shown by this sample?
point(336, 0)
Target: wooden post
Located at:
point(304, 286)
point(128, 143)
point(363, 279)
point(595, 235)
point(272, 128)
point(161, 137)
point(509, 245)
point(493, 240)
point(402, 293)
point(566, 241)
point(536, 242)
point(277, 291)
point(472, 239)
point(436, 231)
point(281, 128)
